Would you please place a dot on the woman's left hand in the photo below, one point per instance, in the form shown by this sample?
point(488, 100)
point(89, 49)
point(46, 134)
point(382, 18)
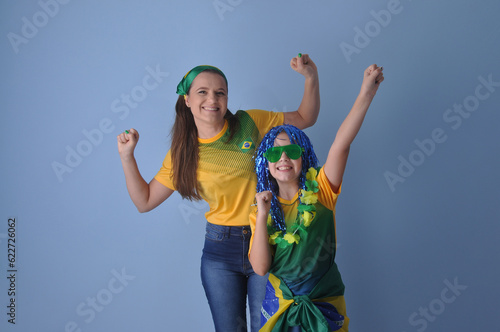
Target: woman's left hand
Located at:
point(304, 65)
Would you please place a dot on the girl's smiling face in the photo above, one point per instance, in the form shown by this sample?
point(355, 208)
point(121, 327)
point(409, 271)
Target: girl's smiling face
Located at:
point(285, 171)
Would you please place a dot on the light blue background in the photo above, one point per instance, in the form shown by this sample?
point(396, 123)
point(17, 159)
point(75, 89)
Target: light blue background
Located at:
point(400, 245)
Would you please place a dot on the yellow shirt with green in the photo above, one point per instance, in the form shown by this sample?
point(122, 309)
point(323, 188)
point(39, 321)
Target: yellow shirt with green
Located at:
point(226, 169)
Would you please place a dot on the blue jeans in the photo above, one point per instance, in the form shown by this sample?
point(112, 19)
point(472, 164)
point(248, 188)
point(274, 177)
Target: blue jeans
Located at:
point(228, 278)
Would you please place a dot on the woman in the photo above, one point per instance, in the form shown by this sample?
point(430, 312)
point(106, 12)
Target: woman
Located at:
point(294, 237)
point(211, 159)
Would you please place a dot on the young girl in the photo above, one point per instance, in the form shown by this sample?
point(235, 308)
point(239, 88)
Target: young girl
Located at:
point(293, 229)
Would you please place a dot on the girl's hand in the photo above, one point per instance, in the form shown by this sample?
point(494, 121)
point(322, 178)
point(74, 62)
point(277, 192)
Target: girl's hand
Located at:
point(304, 65)
point(127, 143)
point(263, 202)
point(373, 76)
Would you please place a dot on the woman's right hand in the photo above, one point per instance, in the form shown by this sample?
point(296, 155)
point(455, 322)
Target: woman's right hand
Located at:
point(127, 143)
point(263, 202)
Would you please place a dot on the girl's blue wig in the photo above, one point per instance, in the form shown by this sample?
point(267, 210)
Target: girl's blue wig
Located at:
point(265, 180)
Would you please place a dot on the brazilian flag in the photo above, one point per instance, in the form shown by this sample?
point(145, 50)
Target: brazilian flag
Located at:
point(247, 145)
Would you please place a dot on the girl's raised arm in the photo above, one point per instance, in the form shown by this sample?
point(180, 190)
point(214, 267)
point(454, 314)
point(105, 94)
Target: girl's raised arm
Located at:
point(337, 157)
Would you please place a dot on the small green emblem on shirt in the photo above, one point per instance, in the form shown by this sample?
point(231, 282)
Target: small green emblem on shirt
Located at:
point(246, 145)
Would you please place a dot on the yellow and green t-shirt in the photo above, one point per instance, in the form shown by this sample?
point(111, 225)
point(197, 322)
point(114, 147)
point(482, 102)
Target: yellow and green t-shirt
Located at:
point(305, 286)
point(226, 169)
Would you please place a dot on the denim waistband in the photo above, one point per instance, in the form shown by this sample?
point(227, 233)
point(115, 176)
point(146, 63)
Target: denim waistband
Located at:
point(230, 230)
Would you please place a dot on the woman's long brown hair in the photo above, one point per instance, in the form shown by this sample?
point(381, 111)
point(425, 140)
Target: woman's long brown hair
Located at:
point(185, 149)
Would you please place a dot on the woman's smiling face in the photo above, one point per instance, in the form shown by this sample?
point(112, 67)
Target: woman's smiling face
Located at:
point(207, 99)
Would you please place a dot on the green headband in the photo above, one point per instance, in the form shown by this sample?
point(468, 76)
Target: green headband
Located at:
point(185, 83)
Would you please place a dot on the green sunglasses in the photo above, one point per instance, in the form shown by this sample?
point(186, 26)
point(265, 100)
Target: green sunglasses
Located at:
point(293, 151)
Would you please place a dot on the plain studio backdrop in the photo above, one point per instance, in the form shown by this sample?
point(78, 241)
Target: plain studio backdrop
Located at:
point(417, 220)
